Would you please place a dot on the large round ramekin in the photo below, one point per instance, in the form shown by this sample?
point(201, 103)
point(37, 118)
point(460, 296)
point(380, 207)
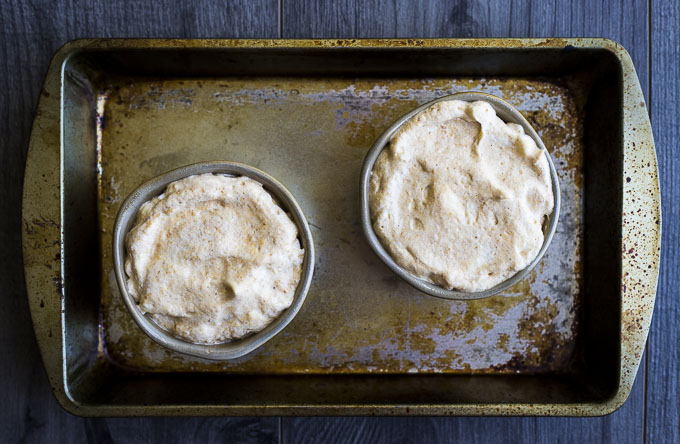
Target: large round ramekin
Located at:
point(508, 114)
point(238, 347)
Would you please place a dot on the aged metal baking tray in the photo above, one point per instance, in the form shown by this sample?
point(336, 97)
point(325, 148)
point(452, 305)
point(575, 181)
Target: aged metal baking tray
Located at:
point(567, 340)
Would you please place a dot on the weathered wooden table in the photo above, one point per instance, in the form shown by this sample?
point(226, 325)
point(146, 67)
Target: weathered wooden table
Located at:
point(32, 30)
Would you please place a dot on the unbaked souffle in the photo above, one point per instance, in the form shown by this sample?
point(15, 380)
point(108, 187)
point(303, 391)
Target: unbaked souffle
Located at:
point(214, 258)
point(459, 197)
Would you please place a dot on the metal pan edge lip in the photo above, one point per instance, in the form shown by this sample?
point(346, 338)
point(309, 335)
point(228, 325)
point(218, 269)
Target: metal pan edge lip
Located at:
point(507, 113)
point(239, 347)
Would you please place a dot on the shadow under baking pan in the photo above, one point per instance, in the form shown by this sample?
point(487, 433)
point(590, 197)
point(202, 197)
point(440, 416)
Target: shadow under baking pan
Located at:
point(363, 338)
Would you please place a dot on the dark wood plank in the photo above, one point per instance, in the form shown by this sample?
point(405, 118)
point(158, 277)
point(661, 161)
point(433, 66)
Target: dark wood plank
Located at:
point(610, 429)
point(464, 430)
point(624, 21)
point(30, 32)
point(165, 430)
point(663, 369)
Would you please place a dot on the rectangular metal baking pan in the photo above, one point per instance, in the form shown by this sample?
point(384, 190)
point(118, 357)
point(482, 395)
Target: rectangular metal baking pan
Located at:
point(565, 341)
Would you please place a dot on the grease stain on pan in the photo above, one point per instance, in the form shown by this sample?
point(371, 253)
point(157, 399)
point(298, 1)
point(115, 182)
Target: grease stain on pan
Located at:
point(312, 134)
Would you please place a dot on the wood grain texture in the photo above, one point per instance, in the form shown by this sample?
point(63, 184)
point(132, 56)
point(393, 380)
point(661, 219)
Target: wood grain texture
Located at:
point(625, 21)
point(460, 430)
point(30, 33)
point(167, 430)
point(623, 426)
point(663, 369)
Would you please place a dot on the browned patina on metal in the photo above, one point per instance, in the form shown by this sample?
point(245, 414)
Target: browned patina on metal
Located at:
point(372, 323)
point(147, 126)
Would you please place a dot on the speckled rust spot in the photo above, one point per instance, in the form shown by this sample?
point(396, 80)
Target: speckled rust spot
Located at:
point(361, 134)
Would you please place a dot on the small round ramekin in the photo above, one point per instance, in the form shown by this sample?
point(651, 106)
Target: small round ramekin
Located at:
point(508, 114)
point(126, 219)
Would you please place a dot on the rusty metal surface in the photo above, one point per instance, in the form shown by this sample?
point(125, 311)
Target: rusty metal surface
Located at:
point(312, 134)
point(372, 322)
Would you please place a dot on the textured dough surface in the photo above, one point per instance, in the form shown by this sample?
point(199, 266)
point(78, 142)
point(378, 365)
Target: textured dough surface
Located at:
point(213, 258)
point(458, 198)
